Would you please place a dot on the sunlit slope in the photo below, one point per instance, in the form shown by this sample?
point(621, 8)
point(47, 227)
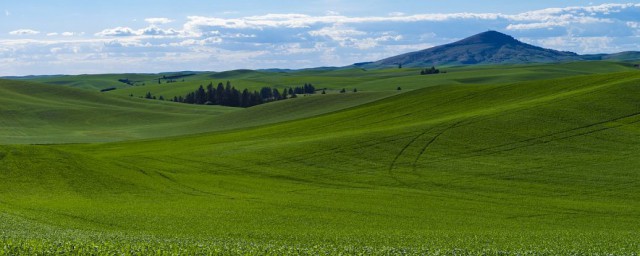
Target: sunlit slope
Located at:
point(42, 114)
point(34, 113)
point(521, 166)
point(95, 82)
point(381, 80)
point(335, 79)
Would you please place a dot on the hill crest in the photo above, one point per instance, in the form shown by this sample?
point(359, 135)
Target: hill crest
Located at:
point(490, 47)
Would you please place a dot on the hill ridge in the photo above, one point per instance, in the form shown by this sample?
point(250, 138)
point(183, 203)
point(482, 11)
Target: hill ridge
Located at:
point(490, 47)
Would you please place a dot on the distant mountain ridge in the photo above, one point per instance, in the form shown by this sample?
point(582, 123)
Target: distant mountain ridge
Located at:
point(489, 47)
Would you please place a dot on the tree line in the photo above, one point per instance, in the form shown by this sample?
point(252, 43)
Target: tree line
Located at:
point(228, 95)
point(430, 71)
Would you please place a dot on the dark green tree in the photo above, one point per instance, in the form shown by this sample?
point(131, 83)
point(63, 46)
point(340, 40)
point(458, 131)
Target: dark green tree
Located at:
point(211, 95)
point(266, 93)
point(246, 99)
point(235, 98)
point(220, 94)
point(276, 94)
point(200, 96)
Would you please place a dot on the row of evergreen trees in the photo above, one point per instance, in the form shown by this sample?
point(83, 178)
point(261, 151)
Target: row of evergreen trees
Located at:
point(228, 95)
point(429, 71)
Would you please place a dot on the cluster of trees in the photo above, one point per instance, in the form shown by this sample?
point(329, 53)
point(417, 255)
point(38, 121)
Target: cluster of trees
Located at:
point(173, 78)
point(149, 96)
point(129, 81)
point(168, 81)
point(126, 81)
point(306, 89)
point(228, 95)
point(429, 71)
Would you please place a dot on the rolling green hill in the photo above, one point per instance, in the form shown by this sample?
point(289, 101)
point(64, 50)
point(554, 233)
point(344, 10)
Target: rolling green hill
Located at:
point(334, 80)
point(43, 114)
point(530, 167)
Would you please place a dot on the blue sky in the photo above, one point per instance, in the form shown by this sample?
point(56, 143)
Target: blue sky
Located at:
point(79, 37)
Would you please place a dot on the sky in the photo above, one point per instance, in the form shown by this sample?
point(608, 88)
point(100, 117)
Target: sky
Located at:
point(142, 36)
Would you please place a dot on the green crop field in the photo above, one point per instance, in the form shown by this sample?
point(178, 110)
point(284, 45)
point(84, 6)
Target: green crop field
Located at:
point(500, 160)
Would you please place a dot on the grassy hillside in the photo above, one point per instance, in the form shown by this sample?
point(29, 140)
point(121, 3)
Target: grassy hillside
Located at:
point(539, 167)
point(94, 82)
point(43, 114)
point(334, 80)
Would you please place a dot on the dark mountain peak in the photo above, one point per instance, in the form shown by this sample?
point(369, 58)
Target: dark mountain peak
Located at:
point(489, 37)
point(490, 47)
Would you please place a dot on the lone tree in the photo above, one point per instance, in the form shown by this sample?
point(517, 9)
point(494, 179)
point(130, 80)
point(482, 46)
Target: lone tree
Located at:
point(399, 89)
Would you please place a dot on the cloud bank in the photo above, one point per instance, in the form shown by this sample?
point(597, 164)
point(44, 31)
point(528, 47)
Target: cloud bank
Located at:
point(293, 40)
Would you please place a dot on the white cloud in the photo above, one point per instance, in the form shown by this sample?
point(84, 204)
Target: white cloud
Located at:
point(65, 34)
point(595, 44)
point(56, 50)
point(21, 32)
point(293, 40)
point(158, 20)
point(202, 42)
point(349, 37)
point(544, 18)
point(293, 20)
point(337, 32)
point(7, 13)
point(127, 31)
point(561, 21)
point(239, 35)
point(562, 17)
point(633, 24)
point(118, 31)
point(155, 31)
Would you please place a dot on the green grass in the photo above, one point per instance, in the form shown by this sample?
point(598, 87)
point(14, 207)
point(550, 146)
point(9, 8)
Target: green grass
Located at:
point(538, 167)
point(34, 113)
point(41, 114)
point(334, 80)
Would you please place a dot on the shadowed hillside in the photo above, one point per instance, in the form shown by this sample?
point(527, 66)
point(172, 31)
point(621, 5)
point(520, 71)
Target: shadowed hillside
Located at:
point(489, 47)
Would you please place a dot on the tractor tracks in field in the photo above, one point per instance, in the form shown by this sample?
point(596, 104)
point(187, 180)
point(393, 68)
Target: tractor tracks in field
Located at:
point(551, 137)
point(428, 144)
point(423, 149)
point(406, 146)
point(195, 191)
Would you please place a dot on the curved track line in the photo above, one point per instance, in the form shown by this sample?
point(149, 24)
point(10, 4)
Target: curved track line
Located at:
point(426, 146)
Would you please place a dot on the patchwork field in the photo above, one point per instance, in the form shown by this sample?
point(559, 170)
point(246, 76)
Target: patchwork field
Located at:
point(522, 159)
